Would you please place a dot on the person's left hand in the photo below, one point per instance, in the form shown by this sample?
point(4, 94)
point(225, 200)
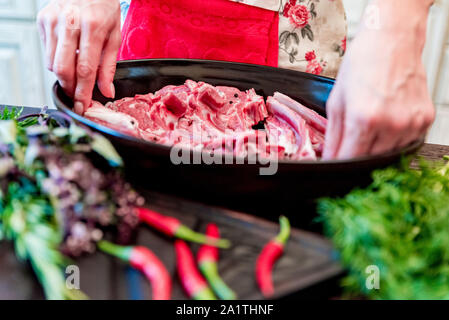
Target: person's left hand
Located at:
point(380, 100)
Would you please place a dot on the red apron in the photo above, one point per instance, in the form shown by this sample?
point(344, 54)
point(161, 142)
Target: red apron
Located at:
point(200, 29)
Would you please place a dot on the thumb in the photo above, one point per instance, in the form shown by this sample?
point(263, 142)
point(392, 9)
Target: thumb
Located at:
point(335, 114)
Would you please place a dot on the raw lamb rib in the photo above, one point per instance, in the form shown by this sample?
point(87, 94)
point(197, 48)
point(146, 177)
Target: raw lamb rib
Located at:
point(220, 119)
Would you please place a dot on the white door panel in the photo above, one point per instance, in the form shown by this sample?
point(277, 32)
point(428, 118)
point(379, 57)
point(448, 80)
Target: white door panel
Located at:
point(439, 133)
point(21, 81)
point(10, 81)
point(20, 9)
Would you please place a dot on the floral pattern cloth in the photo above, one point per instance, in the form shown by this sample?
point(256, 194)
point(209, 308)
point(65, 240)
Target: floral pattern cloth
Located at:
point(312, 33)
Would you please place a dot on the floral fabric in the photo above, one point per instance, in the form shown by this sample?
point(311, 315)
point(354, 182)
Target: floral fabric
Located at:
point(312, 33)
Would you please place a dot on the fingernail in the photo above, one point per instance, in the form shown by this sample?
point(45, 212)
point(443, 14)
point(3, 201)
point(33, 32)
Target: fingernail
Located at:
point(112, 91)
point(79, 107)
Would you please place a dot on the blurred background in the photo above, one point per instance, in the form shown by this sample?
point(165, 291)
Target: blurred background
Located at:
point(25, 80)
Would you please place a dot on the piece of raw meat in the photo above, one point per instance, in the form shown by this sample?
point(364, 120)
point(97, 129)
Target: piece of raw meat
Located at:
point(116, 120)
point(219, 120)
point(303, 146)
point(311, 117)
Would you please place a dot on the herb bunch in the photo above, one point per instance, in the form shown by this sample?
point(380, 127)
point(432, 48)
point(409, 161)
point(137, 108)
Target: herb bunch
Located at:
point(60, 189)
point(400, 223)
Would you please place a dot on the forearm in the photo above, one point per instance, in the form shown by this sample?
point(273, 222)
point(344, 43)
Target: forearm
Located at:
point(402, 22)
point(399, 15)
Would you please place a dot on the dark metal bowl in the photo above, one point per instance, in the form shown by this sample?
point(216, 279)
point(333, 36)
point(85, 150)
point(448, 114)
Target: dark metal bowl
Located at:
point(236, 186)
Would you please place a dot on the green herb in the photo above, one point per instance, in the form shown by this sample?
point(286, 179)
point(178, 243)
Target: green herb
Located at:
point(11, 113)
point(28, 219)
point(26, 215)
point(14, 114)
point(60, 188)
point(400, 223)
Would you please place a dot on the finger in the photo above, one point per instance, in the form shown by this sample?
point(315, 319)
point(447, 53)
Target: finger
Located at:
point(422, 134)
point(334, 134)
point(357, 139)
point(108, 64)
point(89, 56)
point(50, 41)
point(65, 57)
point(428, 119)
point(416, 130)
point(386, 140)
point(334, 130)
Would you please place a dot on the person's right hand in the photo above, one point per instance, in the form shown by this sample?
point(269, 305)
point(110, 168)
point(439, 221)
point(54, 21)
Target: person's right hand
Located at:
point(81, 39)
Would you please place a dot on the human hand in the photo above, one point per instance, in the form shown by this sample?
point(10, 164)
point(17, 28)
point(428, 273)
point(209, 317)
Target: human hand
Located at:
point(380, 100)
point(81, 39)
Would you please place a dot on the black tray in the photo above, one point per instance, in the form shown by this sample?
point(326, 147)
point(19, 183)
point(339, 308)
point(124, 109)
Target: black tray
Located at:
point(308, 269)
point(292, 188)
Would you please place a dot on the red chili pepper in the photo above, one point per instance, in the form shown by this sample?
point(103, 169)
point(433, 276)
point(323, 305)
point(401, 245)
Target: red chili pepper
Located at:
point(174, 228)
point(207, 258)
point(268, 257)
point(145, 261)
point(192, 281)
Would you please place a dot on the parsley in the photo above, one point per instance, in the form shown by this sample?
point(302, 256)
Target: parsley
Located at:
point(400, 223)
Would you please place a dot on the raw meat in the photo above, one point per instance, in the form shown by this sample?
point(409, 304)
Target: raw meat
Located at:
point(297, 145)
point(311, 117)
point(218, 119)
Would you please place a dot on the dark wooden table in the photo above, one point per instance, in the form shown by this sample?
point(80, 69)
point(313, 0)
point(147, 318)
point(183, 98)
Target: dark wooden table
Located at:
point(432, 152)
point(308, 269)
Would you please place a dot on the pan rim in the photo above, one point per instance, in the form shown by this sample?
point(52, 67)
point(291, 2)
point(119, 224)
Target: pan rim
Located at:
point(413, 146)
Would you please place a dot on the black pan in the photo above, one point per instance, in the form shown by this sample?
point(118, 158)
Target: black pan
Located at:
point(235, 186)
